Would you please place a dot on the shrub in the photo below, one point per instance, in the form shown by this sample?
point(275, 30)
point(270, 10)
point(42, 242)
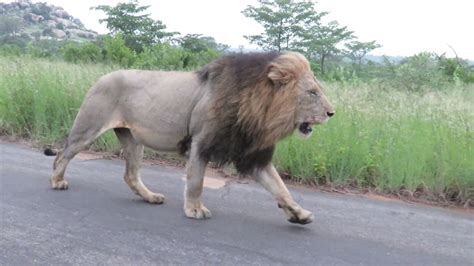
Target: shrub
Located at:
point(161, 56)
point(193, 60)
point(44, 48)
point(420, 73)
point(84, 53)
point(117, 52)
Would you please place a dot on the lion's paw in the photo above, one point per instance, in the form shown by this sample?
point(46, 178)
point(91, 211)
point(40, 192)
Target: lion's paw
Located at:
point(59, 184)
point(155, 198)
point(301, 217)
point(197, 212)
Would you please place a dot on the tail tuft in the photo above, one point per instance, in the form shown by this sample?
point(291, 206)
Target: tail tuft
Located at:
point(50, 152)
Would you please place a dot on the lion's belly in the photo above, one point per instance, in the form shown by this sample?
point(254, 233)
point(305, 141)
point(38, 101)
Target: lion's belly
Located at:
point(160, 140)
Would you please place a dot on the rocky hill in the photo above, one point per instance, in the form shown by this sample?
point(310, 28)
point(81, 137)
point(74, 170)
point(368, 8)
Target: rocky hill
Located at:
point(38, 21)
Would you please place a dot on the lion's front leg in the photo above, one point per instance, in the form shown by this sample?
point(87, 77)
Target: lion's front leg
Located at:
point(195, 169)
point(269, 178)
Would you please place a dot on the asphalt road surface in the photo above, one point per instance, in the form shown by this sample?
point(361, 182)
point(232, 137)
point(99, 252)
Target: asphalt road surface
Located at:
point(100, 221)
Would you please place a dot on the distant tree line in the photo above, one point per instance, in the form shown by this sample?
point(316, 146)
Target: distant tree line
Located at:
point(137, 40)
point(336, 52)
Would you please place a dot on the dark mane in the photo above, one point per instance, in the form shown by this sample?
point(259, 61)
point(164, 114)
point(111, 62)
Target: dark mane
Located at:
point(231, 142)
point(242, 70)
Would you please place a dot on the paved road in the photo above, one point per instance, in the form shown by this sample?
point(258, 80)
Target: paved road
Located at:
point(99, 221)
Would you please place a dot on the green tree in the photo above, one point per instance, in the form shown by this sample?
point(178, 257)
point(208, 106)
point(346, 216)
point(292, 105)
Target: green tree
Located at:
point(160, 56)
point(42, 9)
point(420, 73)
point(10, 25)
point(137, 28)
point(320, 41)
point(282, 21)
point(457, 69)
point(197, 43)
point(117, 52)
point(356, 50)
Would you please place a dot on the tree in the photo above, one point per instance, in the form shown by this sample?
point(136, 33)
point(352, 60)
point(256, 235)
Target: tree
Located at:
point(10, 25)
point(136, 28)
point(117, 52)
point(356, 50)
point(321, 41)
point(197, 43)
point(282, 20)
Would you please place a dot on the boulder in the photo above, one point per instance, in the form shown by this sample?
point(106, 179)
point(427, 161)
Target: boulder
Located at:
point(61, 14)
point(30, 17)
point(78, 22)
point(83, 34)
point(23, 4)
point(66, 23)
point(60, 34)
point(51, 23)
point(14, 6)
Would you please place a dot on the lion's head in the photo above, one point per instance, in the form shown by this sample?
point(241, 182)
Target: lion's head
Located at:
point(258, 99)
point(291, 71)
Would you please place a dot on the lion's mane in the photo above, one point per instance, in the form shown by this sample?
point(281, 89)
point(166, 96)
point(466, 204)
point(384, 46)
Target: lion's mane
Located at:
point(253, 105)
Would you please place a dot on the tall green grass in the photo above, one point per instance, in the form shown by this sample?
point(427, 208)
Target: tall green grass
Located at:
point(391, 141)
point(39, 99)
point(380, 137)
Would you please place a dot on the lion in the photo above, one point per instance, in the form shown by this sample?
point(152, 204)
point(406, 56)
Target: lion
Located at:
point(233, 110)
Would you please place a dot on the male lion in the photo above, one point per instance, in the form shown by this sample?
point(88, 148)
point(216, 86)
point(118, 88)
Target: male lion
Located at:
point(233, 110)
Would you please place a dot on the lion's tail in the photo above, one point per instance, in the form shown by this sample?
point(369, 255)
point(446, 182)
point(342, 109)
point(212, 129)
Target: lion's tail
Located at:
point(50, 152)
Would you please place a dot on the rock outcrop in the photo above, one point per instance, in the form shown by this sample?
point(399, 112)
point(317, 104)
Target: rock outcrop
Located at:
point(43, 21)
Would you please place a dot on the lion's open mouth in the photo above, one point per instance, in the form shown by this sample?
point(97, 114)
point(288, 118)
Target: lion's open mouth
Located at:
point(305, 128)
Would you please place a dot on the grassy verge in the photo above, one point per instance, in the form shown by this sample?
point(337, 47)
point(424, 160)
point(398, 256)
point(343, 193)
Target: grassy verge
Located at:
point(383, 139)
point(39, 99)
point(391, 141)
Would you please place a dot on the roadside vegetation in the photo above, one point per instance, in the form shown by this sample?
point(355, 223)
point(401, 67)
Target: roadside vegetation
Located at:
point(402, 126)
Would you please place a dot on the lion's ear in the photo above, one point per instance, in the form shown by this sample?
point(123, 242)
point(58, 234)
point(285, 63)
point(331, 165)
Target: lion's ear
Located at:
point(279, 76)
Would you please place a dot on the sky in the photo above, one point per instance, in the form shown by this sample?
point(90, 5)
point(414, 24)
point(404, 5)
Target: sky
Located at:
point(402, 27)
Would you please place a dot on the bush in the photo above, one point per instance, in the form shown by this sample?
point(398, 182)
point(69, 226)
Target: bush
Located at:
point(117, 52)
point(192, 60)
point(44, 48)
point(421, 73)
point(161, 56)
point(42, 9)
point(11, 50)
point(82, 53)
point(456, 69)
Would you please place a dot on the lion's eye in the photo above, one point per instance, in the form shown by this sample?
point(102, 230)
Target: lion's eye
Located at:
point(313, 93)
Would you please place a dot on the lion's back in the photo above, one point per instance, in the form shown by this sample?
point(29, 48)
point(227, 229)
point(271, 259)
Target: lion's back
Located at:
point(155, 105)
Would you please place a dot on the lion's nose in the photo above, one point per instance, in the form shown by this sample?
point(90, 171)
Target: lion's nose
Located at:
point(330, 113)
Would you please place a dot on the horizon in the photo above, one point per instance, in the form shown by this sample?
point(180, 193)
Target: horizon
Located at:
point(421, 29)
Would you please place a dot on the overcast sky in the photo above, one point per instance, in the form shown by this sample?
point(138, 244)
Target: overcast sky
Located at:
point(403, 27)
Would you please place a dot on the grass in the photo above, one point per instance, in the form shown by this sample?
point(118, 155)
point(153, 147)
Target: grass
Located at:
point(380, 138)
point(39, 99)
point(391, 141)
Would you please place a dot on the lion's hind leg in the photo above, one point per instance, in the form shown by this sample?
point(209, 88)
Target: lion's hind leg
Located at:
point(133, 153)
point(81, 136)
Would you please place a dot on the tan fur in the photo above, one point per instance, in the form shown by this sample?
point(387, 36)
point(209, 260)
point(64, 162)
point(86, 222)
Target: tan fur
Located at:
point(273, 111)
point(233, 110)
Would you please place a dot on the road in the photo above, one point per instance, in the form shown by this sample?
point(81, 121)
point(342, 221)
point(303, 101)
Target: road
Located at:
point(100, 221)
